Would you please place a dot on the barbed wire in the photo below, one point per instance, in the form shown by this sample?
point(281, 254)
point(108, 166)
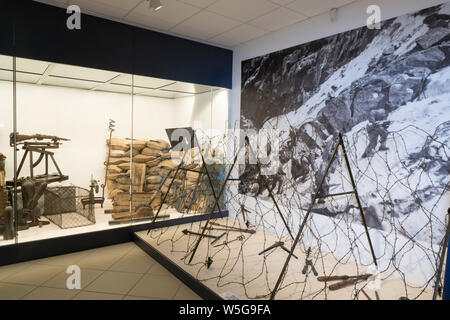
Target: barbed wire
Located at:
point(404, 191)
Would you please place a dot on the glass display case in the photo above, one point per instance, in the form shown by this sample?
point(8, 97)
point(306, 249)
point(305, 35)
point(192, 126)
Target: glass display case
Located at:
point(86, 150)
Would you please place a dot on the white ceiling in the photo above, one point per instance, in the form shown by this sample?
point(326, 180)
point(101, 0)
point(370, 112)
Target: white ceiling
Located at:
point(61, 75)
point(225, 23)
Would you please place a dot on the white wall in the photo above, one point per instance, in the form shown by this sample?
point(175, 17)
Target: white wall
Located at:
point(205, 111)
point(83, 116)
point(350, 17)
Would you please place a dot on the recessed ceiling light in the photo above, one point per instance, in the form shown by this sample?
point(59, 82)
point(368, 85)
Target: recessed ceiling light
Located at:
point(155, 5)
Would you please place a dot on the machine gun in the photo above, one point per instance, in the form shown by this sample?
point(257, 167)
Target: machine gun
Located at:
point(23, 138)
point(33, 187)
point(39, 144)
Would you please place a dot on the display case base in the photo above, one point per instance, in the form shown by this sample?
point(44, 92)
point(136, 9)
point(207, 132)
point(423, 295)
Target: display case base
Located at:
point(32, 250)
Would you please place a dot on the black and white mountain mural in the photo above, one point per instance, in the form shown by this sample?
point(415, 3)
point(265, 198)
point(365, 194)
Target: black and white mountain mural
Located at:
point(388, 92)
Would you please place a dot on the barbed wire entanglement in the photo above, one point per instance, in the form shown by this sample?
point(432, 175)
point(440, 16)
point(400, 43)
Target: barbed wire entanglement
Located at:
point(404, 197)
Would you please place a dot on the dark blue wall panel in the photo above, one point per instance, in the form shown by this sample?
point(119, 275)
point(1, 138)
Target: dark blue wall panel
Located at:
point(6, 27)
point(172, 57)
point(41, 33)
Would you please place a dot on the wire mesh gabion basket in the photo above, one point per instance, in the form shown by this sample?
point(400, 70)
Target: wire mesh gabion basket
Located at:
point(64, 207)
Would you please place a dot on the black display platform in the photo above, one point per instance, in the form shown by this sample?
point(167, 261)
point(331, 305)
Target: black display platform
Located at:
point(33, 250)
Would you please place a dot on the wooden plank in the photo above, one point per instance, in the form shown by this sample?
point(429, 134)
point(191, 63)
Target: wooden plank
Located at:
point(2, 179)
point(138, 179)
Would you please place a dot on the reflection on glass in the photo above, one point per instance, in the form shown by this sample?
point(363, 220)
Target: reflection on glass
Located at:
point(7, 228)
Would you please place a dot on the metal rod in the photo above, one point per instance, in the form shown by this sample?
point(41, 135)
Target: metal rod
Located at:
point(216, 204)
point(186, 232)
point(352, 180)
point(367, 296)
point(230, 227)
point(239, 238)
point(167, 192)
point(56, 165)
point(31, 165)
point(46, 164)
point(233, 230)
point(220, 193)
point(111, 130)
point(21, 162)
point(218, 238)
point(191, 170)
point(336, 194)
point(194, 193)
point(16, 173)
point(132, 146)
point(275, 245)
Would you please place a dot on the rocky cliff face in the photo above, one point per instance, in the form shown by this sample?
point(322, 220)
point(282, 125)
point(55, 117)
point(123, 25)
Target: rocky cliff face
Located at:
point(387, 90)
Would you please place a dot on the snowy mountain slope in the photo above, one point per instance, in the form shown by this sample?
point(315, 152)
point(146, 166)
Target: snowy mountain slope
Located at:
point(389, 94)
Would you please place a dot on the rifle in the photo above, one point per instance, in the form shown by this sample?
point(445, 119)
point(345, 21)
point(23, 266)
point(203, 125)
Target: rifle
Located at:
point(24, 137)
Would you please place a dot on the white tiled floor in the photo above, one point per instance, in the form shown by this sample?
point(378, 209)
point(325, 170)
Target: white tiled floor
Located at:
point(121, 272)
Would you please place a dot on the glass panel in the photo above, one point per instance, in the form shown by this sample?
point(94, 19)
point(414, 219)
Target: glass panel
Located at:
point(165, 109)
point(119, 151)
point(7, 227)
point(68, 121)
point(153, 170)
point(94, 150)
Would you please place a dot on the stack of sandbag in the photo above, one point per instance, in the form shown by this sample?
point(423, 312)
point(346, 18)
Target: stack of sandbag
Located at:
point(145, 154)
point(154, 166)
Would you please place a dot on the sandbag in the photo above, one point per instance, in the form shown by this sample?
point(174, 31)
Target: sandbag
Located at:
point(123, 187)
point(118, 161)
point(152, 152)
point(172, 155)
point(119, 144)
point(124, 180)
point(117, 154)
point(169, 164)
point(154, 179)
point(142, 158)
point(151, 187)
point(113, 193)
point(135, 153)
point(158, 144)
point(113, 176)
point(124, 166)
point(138, 144)
point(114, 169)
point(153, 163)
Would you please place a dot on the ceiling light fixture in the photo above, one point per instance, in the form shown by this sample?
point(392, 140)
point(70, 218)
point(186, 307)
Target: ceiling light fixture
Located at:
point(155, 5)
